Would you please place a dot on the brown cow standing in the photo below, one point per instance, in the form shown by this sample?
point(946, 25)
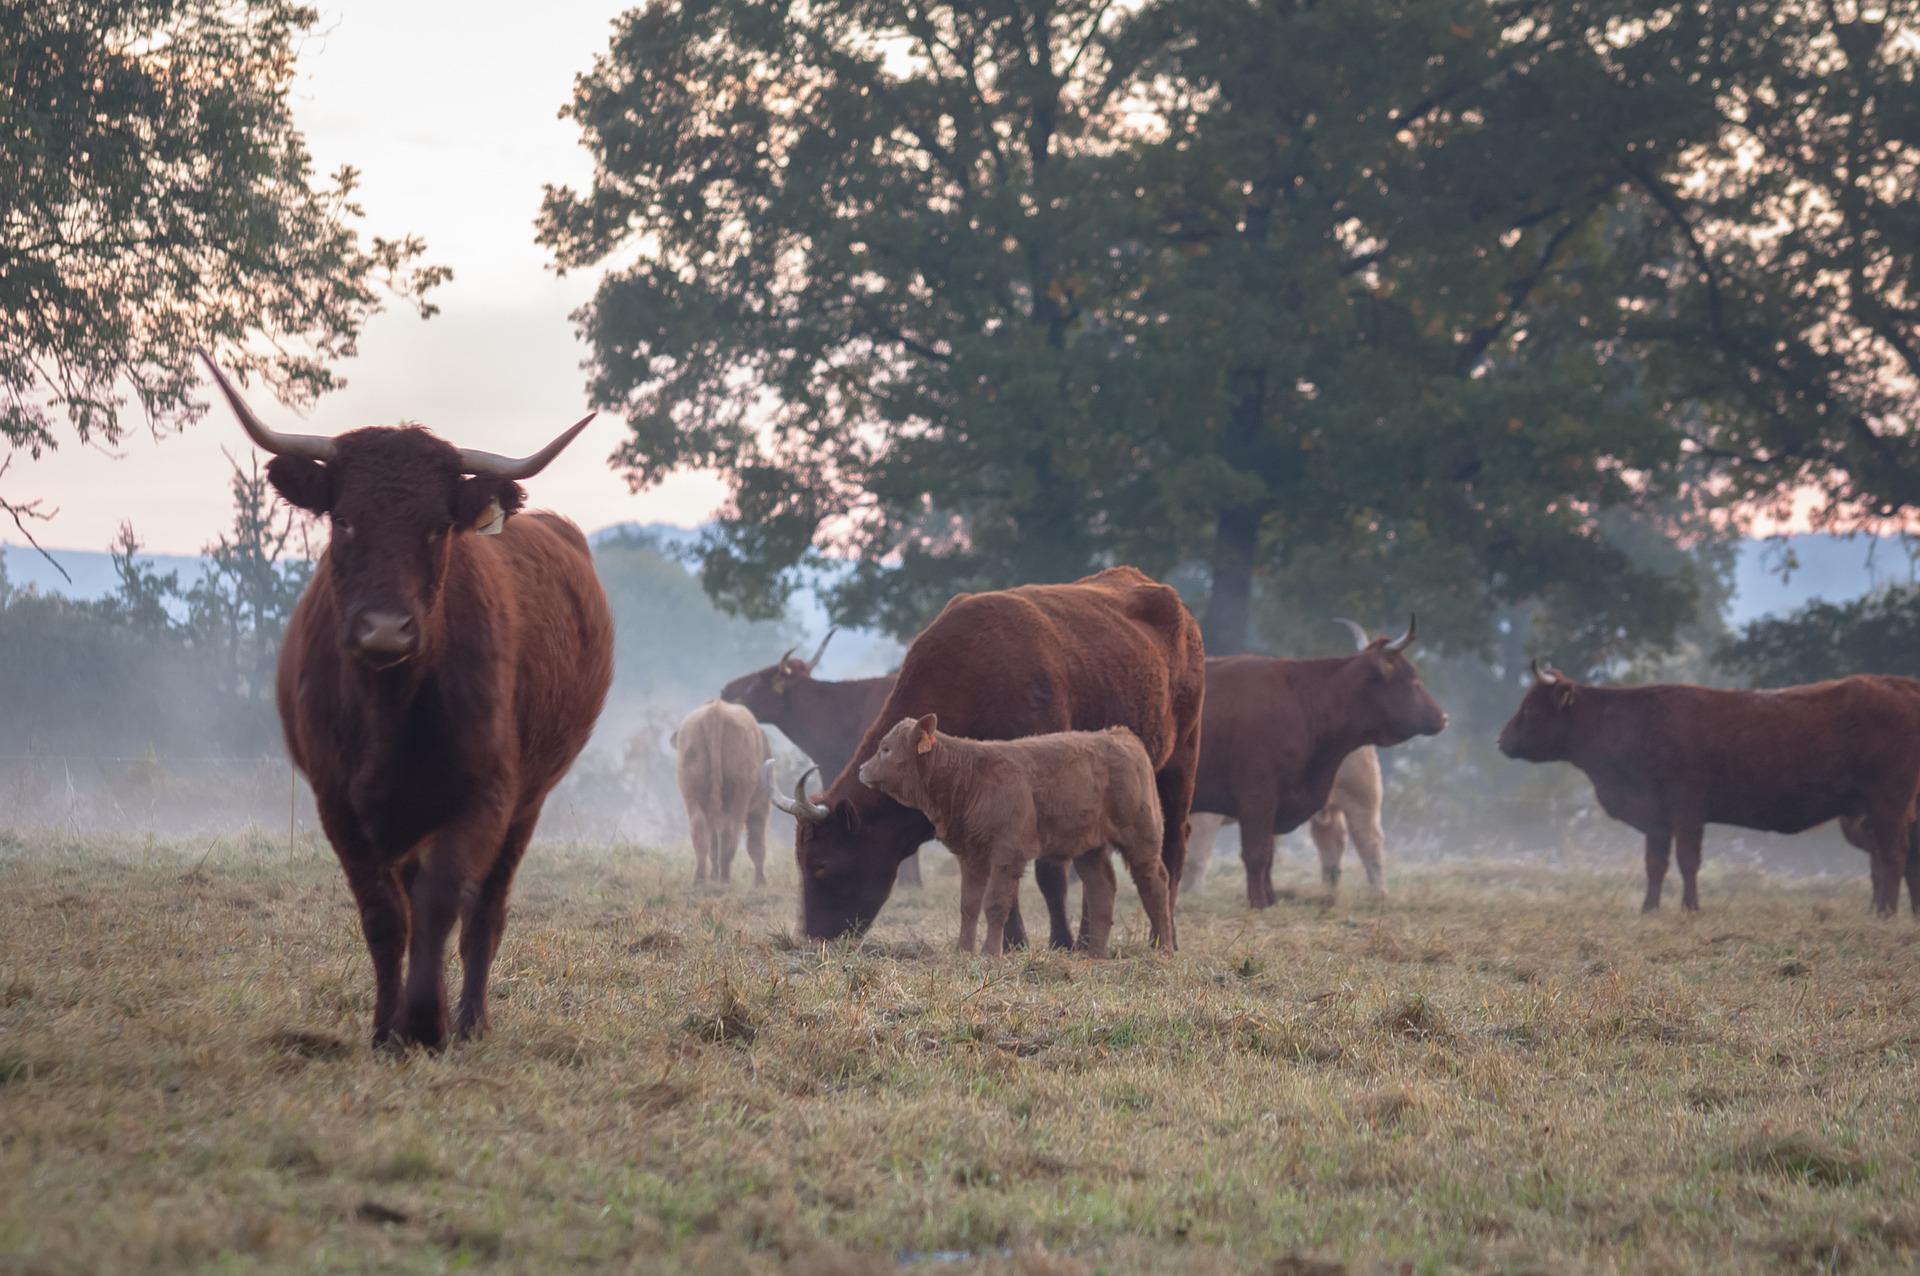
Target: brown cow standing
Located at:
point(999, 804)
point(720, 749)
point(1277, 731)
point(1671, 759)
point(1113, 649)
point(1352, 810)
point(434, 686)
point(826, 719)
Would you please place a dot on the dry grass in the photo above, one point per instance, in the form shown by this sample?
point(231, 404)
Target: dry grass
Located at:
point(1500, 1069)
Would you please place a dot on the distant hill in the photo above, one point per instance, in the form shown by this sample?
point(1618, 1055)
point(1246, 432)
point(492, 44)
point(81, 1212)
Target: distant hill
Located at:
point(1831, 568)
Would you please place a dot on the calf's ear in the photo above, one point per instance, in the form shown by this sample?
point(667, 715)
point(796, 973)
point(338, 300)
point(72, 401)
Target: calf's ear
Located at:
point(302, 482)
point(923, 733)
point(473, 500)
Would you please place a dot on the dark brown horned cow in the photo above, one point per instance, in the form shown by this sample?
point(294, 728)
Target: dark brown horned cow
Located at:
point(1668, 760)
point(826, 719)
point(1276, 732)
point(1113, 649)
point(440, 673)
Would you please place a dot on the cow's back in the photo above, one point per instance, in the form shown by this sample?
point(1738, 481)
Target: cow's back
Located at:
point(1115, 649)
point(721, 747)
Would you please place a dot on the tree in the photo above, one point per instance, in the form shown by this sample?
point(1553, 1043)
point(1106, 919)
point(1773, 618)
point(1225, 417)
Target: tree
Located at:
point(142, 599)
point(1067, 300)
point(159, 197)
point(238, 610)
point(1879, 633)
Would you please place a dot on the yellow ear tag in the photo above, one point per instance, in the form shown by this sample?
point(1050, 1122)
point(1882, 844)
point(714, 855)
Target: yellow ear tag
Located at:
point(492, 520)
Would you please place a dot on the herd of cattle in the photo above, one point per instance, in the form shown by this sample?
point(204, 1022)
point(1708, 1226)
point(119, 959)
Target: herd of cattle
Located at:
point(450, 656)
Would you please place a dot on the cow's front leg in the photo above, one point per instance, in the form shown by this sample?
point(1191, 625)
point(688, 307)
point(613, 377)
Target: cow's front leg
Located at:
point(446, 885)
point(1659, 847)
point(481, 928)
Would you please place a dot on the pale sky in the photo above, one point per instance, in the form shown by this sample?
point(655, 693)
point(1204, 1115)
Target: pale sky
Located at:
point(449, 112)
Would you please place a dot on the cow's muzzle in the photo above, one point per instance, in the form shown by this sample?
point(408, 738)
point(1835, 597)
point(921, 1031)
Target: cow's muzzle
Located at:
point(385, 638)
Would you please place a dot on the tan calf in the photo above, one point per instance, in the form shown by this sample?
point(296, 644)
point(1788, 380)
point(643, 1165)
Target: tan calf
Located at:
point(721, 749)
point(997, 805)
point(1353, 810)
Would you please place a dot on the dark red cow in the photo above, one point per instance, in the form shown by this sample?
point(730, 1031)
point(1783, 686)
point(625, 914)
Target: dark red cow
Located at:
point(1671, 759)
point(440, 673)
point(826, 719)
point(1114, 649)
point(1276, 732)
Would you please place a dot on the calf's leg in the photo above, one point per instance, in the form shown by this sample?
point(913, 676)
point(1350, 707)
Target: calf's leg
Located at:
point(973, 889)
point(1659, 846)
point(481, 928)
point(1370, 844)
point(1006, 867)
point(1149, 873)
point(727, 844)
point(909, 872)
point(1098, 887)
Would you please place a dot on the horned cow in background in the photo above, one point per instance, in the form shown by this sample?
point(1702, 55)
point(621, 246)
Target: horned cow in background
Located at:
point(440, 673)
point(1277, 732)
point(719, 750)
point(826, 719)
point(1352, 810)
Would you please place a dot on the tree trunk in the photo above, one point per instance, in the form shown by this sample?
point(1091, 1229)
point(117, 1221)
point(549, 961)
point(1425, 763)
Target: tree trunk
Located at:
point(1236, 537)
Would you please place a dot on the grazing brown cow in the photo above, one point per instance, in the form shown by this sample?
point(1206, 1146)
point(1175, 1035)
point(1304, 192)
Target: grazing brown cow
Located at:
point(999, 804)
point(826, 719)
point(720, 749)
point(439, 675)
point(1352, 810)
point(1671, 759)
point(1113, 649)
point(1277, 732)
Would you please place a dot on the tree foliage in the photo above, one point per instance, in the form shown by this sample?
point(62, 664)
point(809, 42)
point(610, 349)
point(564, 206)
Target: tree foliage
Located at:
point(979, 294)
point(159, 197)
point(1878, 633)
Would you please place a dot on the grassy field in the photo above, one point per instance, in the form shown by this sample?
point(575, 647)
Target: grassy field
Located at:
point(1501, 1069)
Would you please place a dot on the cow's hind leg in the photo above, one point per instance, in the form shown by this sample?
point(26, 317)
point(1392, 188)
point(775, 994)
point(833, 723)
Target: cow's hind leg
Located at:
point(1328, 828)
point(1686, 853)
point(1003, 891)
point(1659, 847)
point(700, 829)
point(481, 928)
point(1051, 877)
point(1892, 825)
point(1256, 853)
point(1174, 783)
point(1203, 828)
point(757, 843)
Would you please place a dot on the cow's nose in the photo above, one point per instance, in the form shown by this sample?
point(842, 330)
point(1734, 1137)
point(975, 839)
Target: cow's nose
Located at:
point(386, 636)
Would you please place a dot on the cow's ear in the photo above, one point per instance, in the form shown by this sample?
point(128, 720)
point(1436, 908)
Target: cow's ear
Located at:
point(1562, 695)
point(848, 816)
point(923, 733)
point(302, 482)
point(474, 499)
